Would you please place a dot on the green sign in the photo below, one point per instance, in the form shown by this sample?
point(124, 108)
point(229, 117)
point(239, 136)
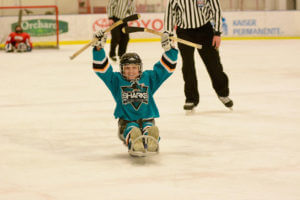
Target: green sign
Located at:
point(42, 27)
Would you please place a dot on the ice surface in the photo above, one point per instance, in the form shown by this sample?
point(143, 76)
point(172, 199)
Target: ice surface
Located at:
point(58, 137)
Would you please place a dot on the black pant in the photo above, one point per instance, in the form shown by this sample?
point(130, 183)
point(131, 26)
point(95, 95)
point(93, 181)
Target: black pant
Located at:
point(118, 38)
point(210, 57)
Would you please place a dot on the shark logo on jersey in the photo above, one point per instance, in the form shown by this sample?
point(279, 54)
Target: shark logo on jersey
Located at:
point(136, 94)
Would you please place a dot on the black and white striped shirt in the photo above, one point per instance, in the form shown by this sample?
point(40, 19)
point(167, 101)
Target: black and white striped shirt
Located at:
point(188, 14)
point(120, 8)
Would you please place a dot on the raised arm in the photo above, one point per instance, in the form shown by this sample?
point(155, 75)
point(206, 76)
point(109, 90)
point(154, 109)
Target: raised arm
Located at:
point(164, 68)
point(101, 65)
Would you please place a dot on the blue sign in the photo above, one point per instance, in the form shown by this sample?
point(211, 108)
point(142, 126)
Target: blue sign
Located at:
point(249, 27)
point(224, 26)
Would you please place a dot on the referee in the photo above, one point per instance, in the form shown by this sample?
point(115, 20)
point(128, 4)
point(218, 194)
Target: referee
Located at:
point(194, 19)
point(119, 9)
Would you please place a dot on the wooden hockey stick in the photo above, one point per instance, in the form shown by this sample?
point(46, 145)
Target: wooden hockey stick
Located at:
point(114, 25)
point(140, 29)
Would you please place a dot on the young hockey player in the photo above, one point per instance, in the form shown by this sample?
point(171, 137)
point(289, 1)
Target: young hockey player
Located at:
point(133, 90)
point(18, 40)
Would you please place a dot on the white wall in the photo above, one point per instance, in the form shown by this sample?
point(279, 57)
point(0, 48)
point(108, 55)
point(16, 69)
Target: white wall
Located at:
point(71, 6)
point(99, 3)
point(68, 6)
point(232, 5)
point(281, 4)
point(64, 6)
point(26, 2)
point(270, 5)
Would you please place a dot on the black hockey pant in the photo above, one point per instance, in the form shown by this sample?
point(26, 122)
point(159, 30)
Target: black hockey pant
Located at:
point(118, 38)
point(210, 57)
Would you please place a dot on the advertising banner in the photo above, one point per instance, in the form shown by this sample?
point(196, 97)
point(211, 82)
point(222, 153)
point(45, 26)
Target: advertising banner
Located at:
point(261, 24)
point(236, 25)
point(76, 29)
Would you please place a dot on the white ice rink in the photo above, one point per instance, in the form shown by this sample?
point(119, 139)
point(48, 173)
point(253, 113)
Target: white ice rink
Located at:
point(58, 137)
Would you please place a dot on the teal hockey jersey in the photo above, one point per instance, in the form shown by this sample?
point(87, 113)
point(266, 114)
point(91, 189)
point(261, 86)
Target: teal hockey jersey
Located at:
point(134, 99)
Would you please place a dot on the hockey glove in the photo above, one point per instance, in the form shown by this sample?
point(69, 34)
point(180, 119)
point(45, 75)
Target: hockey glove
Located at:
point(9, 47)
point(29, 48)
point(101, 37)
point(166, 42)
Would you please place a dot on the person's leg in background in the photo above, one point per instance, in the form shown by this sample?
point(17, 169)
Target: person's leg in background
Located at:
point(115, 40)
point(219, 79)
point(124, 39)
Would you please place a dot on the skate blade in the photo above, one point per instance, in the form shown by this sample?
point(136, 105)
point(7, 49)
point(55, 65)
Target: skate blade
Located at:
point(141, 154)
point(137, 153)
point(190, 112)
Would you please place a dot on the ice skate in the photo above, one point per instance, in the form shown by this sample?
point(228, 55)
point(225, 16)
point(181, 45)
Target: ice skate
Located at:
point(152, 140)
point(136, 147)
point(136, 142)
point(226, 101)
point(189, 107)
